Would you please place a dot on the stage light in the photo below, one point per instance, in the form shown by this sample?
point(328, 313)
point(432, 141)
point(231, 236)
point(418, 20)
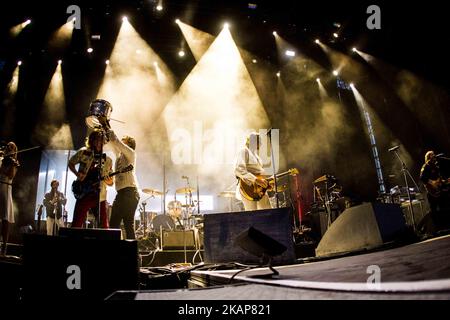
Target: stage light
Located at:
point(89, 50)
point(354, 50)
point(352, 85)
point(335, 73)
point(275, 33)
point(278, 74)
point(254, 61)
point(124, 19)
point(290, 53)
point(335, 35)
point(177, 21)
point(19, 63)
point(27, 22)
point(155, 64)
point(317, 41)
point(181, 53)
point(107, 62)
point(159, 7)
point(74, 19)
point(318, 79)
point(226, 25)
point(59, 61)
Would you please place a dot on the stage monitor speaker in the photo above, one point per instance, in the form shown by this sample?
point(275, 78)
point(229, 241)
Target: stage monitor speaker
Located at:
point(173, 240)
point(68, 269)
point(223, 229)
point(92, 234)
point(366, 226)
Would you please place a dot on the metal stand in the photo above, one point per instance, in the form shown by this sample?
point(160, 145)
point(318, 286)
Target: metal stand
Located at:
point(100, 168)
point(406, 173)
point(275, 180)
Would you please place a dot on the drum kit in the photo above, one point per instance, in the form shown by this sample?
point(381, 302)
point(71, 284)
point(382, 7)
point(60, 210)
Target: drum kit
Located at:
point(177, 216)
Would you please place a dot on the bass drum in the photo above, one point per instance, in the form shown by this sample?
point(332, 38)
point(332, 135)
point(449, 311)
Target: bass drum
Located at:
point(164, 222)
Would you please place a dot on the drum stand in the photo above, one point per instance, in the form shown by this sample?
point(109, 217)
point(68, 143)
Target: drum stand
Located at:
point(406, 173)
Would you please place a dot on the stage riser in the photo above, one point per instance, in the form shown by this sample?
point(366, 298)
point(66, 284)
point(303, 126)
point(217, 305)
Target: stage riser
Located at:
point(105, 266)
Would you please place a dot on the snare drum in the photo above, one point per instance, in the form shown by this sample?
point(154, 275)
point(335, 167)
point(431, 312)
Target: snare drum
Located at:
point(99, 114)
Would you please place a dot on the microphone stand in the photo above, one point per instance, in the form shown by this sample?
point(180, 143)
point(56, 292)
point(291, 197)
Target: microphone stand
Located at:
point(64, 213)
point(269, 135)
point(406, 172)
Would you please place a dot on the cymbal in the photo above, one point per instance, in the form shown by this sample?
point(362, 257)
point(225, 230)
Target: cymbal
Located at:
point(282, 188)
point(227, 194)
point(324, 178)
point(152, 192)
point(185, 190)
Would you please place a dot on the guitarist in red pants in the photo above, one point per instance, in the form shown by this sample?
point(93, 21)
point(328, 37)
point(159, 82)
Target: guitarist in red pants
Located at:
point(435, 175)
point(88, 179)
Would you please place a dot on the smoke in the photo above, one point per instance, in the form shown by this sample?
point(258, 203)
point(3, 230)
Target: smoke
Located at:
point(51, 129)
point(62, 139)
point(9, 105)
point(197, 40)
point(61, 38)
point(138, 84)
point(212, 112)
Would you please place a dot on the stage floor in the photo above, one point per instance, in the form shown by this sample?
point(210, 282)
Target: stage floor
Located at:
point(412, 272)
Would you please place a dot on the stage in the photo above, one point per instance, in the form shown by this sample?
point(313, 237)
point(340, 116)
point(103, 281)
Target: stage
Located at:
point(418, 271)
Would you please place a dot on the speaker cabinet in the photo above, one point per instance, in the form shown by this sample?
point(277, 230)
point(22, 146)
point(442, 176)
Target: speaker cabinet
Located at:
point(72, 268)
point(222, 230)
point(361, 227)
point(173, 240)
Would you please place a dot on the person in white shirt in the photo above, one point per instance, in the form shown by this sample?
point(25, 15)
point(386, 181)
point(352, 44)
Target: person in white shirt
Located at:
point(248, 168)
point(127, 198)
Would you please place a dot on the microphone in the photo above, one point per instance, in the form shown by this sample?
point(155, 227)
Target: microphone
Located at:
point(439, 155)
point(394, 148)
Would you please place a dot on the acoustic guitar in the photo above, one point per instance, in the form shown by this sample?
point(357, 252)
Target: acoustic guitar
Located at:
point(82, 188)
point(254, 192)
point(435, 188)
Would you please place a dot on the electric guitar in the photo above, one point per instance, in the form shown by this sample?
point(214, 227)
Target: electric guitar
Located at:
point(81, 188)
point(436, 187)
point(254, 192)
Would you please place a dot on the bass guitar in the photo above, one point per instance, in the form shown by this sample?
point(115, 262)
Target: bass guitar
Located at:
point(81, 188)
point(254, 192)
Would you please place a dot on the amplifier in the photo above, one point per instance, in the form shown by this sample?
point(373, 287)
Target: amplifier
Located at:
point(178, 240)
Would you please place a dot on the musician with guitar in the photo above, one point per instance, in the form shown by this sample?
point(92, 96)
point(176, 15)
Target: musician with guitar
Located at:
point(54, 201)
point(8, 170)
point(435, 175)
point(93, 175)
